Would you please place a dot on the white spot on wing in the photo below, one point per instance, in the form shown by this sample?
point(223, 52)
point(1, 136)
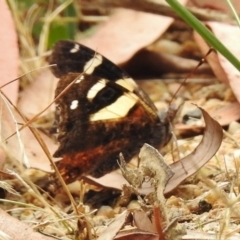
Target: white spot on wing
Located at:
point(74, 104)
point(75, 49)
point(93, 91)
point(93, 63)
point(119, 108)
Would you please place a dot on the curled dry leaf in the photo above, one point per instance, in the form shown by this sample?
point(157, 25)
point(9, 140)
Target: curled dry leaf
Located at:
point(211, 141)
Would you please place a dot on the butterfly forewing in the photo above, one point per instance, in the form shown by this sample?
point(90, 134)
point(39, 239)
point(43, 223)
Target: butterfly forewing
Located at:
point(73, 57)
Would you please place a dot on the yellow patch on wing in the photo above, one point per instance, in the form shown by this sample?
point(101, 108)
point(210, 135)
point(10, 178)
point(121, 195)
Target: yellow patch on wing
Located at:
point(92, 64)
point(92, 92)
point(118, 109)
point(125, 84)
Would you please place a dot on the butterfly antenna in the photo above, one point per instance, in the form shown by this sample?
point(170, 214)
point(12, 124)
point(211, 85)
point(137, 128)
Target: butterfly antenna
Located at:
point(172, 111)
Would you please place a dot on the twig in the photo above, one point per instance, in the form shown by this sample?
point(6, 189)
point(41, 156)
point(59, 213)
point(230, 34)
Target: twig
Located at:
point(154, 6)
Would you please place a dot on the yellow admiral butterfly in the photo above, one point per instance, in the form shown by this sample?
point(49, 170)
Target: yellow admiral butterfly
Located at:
point(102, 114)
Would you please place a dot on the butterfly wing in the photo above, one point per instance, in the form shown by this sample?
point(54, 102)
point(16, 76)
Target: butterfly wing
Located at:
point(73, 57)
point(101, 114)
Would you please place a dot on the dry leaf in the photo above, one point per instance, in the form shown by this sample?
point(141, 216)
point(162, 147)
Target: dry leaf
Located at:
point(130, 31)
point(222, 68)
point(221, 5)
point(136, 235)
point(227, 114)
point(142, 221)
point(211, 141)
point(9, 57)
point(114, 227)
point(38, 95)
point(18, 230)
point(192, 235)
point(23, 146)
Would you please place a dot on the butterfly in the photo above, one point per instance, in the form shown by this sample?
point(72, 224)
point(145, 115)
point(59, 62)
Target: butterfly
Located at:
point(102, 114)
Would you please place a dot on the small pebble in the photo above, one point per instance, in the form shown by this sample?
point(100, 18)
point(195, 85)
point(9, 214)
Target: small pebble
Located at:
point(234, 127)
point(106, 211)
point(134, 204)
